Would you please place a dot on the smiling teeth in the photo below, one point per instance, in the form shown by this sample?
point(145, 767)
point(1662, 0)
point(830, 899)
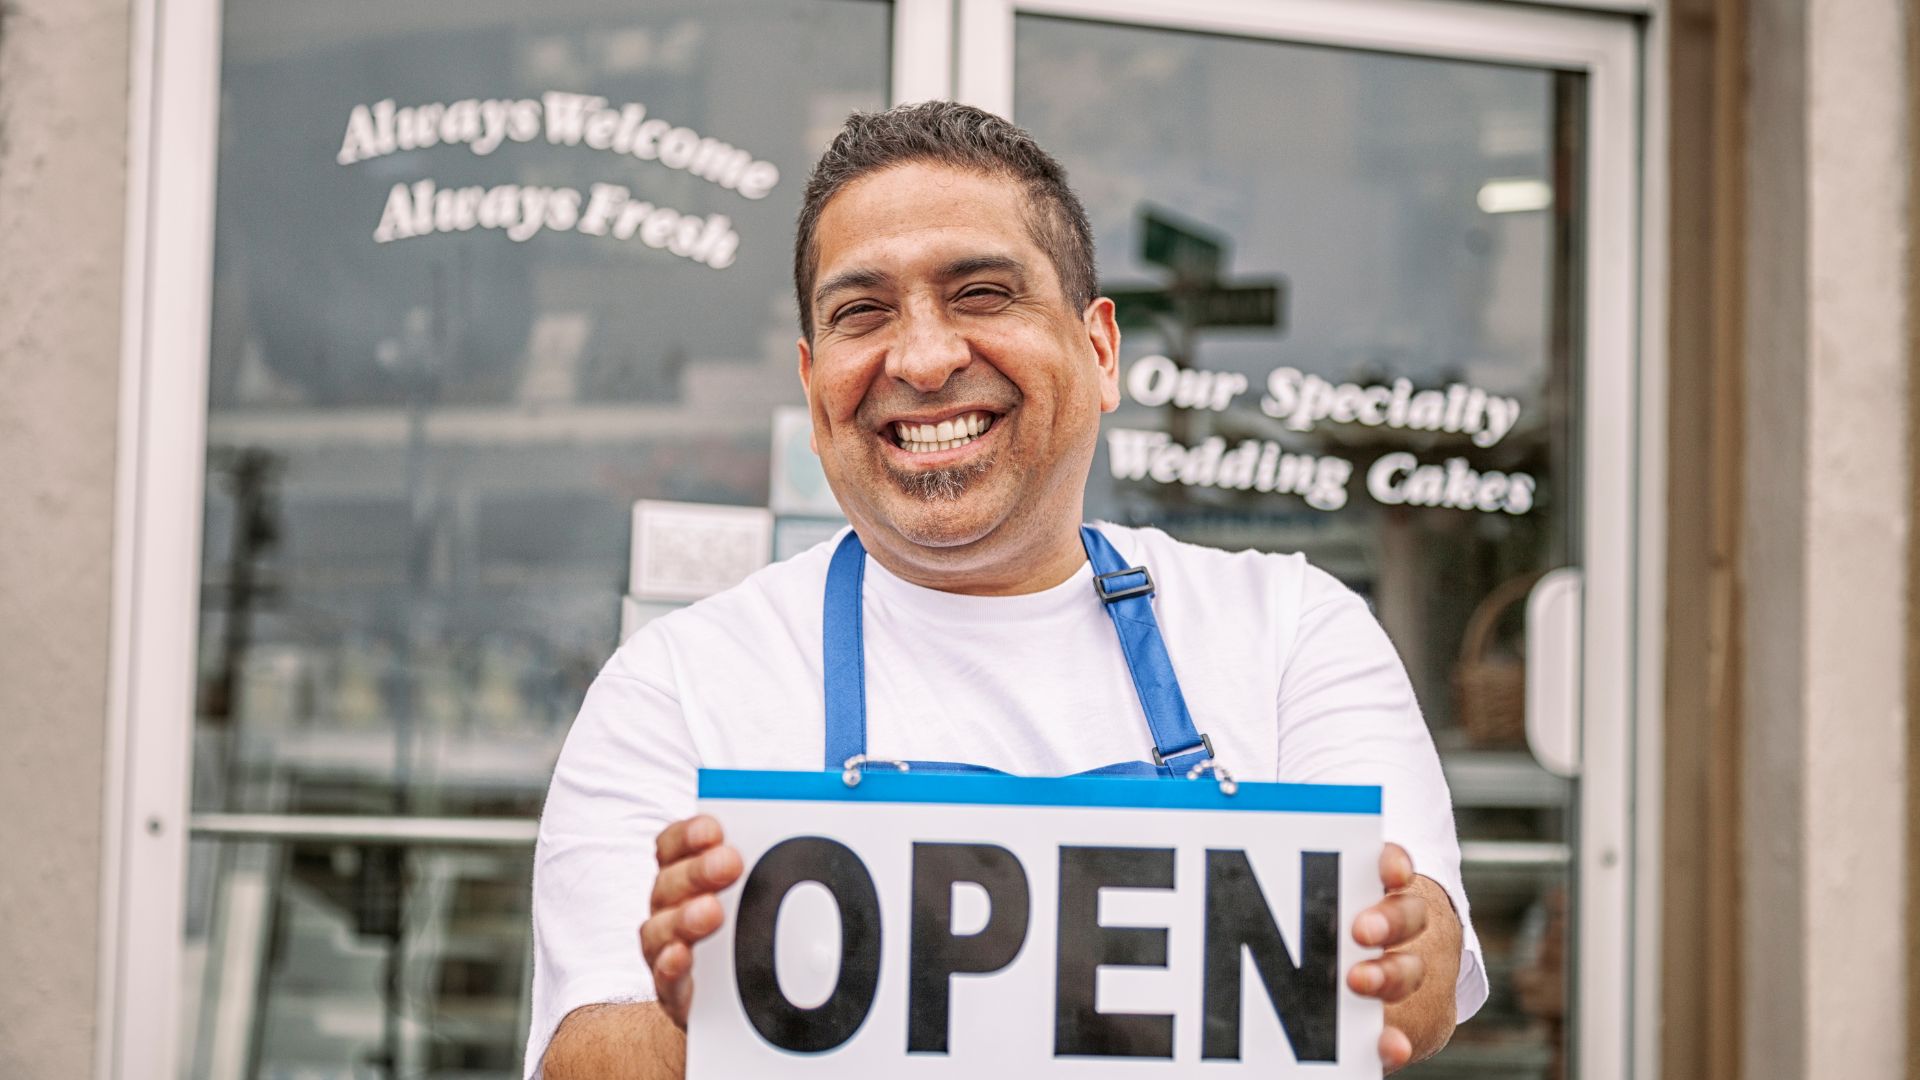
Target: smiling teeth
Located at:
point(946, 435)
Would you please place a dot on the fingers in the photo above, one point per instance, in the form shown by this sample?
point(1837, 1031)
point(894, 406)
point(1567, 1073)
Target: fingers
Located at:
point(684, 838)
point(673, 982)
point(1396, 868)
point(1391, 978)
point(674, 964)
point(1392, 922)
point(695, 862)
point(683, 924)
point(1395, 1048)
point(667, 940)
point(708, 871)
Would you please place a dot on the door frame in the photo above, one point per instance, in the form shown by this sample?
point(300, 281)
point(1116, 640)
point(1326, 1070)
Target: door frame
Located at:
point(1622, 430)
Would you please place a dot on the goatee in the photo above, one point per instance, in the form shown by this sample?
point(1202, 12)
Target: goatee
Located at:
point(940, 485)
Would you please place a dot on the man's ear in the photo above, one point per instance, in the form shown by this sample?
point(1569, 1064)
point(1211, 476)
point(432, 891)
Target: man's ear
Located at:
point(1103, 333)
point(806, 388)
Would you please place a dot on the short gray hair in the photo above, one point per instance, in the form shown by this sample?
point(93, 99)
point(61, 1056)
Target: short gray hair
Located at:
point(963, 137)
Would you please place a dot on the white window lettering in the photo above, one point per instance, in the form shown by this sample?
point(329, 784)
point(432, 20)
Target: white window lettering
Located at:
point(1382, 478)
point(360, 142)
point(1150, 381)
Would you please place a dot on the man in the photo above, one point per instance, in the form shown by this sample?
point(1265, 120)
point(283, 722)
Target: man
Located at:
point(956, 362)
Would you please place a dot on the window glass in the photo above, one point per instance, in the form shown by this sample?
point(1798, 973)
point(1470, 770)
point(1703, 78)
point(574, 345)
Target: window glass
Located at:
point(1346, 285)
point(485, 274)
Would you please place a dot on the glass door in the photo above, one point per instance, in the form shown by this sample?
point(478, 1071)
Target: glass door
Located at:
point(1370, 262)
point(482, 277)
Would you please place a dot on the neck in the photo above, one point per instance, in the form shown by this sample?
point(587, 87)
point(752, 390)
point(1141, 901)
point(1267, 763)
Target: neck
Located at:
point(971, 572)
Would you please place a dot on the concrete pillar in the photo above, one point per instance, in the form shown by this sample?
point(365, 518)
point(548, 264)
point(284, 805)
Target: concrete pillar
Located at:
point(63, 139)
point(1825, 533)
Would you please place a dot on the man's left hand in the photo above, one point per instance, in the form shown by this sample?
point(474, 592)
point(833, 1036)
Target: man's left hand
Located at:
point(1418, 1021)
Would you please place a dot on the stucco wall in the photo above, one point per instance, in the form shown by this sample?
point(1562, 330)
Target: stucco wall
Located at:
point(1827, 527)
point(63, 116)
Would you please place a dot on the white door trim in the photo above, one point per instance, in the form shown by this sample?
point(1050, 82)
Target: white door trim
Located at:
point(1623, 421)
point(922, 50)
point(166, 313)
point(1650, 613)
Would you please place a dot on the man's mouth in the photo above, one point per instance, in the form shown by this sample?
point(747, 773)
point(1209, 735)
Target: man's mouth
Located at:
point(949, 434)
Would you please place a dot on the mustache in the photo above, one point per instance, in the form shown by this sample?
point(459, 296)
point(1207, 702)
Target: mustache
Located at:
point(976, 386)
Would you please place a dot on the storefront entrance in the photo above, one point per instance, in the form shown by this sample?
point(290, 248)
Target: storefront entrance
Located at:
point(478, 278)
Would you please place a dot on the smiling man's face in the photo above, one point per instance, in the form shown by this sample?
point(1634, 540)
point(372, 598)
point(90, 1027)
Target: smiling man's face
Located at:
point(956, 394)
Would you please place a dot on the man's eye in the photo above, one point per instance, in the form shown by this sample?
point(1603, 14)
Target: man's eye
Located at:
point(854, 309)
point(979, 293)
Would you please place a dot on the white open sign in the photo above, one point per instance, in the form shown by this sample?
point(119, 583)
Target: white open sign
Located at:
point(980, 925)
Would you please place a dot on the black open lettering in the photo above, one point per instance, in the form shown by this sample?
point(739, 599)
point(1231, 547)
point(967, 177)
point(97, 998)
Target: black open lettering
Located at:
point(833, 1021)
point(1304, 995)
point(1085, 946)
point(936, 953)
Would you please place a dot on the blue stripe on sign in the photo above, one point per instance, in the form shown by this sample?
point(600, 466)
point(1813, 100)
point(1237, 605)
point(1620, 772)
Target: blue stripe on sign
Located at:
point(988, 790)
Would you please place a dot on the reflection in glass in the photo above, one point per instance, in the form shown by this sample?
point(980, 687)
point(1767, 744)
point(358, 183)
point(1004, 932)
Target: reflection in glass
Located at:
point(356, 960)
point(428, 423)
point(1345, 283)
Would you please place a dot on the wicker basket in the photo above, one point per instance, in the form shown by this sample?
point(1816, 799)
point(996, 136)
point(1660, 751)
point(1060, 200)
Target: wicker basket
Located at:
point(1490, 691)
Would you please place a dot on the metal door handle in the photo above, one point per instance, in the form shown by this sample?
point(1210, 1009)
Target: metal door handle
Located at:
point(1553, 671)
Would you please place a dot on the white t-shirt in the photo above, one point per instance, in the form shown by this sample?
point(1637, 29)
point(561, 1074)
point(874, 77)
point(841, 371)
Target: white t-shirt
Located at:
point(1282, 666)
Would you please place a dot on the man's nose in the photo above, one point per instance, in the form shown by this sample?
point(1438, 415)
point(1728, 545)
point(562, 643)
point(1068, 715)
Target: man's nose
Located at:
point(928, 354)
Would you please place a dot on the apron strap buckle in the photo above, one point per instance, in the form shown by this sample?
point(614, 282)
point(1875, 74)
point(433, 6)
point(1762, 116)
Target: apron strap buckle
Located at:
point(1113, 589)
point(1160, 759)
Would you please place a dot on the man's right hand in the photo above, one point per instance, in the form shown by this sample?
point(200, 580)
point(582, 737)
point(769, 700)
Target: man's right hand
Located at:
point(695, 864)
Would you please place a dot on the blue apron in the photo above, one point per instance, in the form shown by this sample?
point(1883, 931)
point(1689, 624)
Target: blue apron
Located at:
point(1126, 591)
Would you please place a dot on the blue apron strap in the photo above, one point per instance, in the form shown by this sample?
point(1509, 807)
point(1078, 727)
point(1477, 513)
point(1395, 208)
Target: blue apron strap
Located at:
point(844, 653)
point(1127, 593)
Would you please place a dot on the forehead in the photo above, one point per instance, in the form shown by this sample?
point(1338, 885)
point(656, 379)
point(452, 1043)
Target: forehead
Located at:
point(925, 210)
